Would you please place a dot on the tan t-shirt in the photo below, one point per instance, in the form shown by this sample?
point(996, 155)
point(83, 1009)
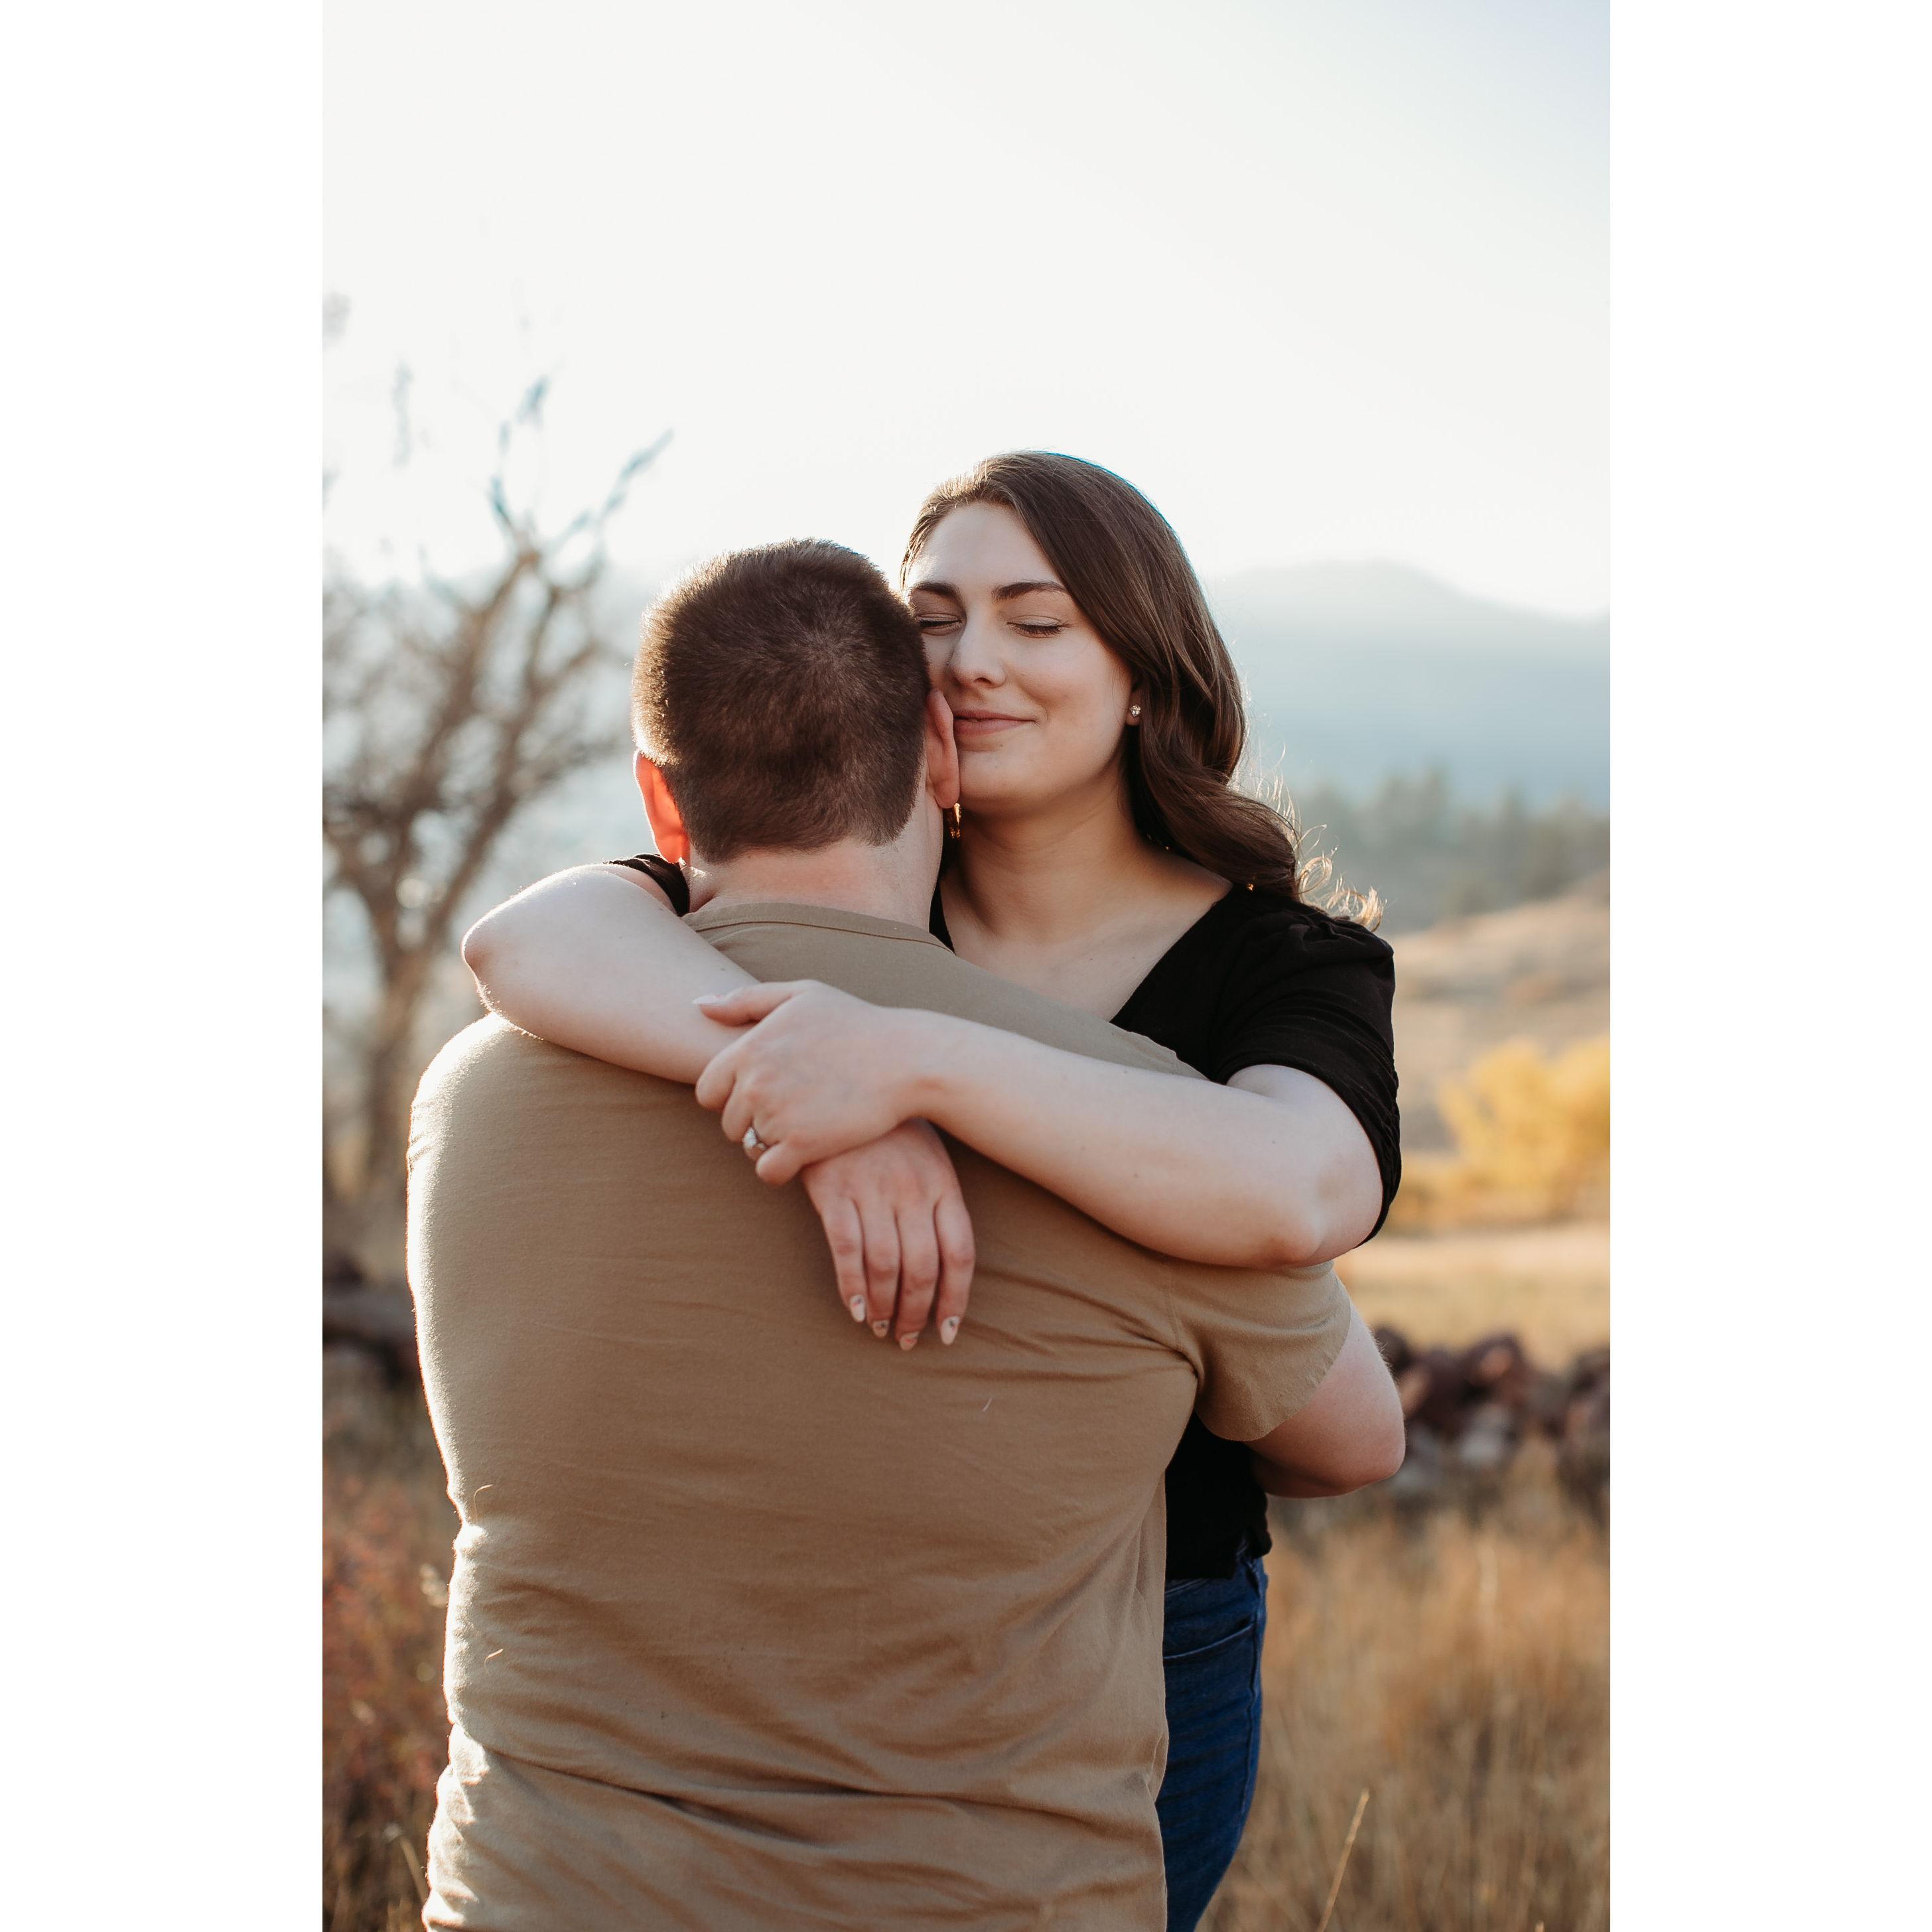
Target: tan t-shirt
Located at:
point(757, 1622)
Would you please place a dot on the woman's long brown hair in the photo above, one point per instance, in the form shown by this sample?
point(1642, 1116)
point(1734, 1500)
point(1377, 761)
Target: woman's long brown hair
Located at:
point(1123, 564)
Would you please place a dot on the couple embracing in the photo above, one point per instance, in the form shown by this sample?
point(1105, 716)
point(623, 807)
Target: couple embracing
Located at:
point(885, 1550)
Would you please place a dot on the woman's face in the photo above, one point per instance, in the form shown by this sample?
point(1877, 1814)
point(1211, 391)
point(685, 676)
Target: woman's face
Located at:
point(1039, 702)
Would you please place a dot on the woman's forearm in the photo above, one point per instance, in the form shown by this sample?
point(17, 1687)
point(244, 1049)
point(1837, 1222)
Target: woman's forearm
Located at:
point(1201, 1172)
point(595, 959)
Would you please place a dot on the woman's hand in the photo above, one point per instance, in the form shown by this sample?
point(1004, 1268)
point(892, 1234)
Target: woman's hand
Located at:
point(900, 1238)
point(818, 1072)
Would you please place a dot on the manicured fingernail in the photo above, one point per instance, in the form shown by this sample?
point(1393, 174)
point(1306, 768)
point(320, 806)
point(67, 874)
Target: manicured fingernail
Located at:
point(858, 1308)
point(879, 1329)
point(948, 1329)
point(908, 1341)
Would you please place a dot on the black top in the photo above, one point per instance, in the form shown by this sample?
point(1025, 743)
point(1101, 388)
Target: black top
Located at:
point(669, 878)
point(1257, 980)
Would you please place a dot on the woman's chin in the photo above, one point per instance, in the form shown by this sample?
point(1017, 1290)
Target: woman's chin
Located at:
point(992, 801)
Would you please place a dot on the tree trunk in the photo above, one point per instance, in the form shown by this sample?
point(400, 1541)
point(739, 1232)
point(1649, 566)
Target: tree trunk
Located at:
point(387, 1066)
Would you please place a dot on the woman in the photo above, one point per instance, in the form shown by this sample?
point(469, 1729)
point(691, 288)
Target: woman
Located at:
point(1101, 857)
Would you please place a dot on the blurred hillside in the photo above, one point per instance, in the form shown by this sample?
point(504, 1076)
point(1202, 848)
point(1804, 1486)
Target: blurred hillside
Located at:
point(1430, 856)
point(1528, 985)
point(1357, 674)
point(1539, 972)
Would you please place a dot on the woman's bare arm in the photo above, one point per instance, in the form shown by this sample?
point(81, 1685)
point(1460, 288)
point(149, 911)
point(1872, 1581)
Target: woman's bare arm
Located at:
point(595, 959)
point(1271, 1170)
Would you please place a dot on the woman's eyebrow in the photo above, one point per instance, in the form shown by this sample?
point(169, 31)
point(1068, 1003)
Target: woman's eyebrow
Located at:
point(1004, 594)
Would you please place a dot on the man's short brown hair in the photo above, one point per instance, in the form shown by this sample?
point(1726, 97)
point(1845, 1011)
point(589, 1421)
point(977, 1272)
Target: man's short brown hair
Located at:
point(782, 692)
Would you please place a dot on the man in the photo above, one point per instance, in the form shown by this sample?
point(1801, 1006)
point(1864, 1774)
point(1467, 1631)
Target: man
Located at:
point(754, 1622)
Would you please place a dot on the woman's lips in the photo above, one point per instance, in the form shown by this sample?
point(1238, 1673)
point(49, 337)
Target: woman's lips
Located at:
point(965, 724)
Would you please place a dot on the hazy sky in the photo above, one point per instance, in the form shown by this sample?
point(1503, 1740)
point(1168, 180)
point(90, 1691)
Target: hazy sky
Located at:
point(1325, 277)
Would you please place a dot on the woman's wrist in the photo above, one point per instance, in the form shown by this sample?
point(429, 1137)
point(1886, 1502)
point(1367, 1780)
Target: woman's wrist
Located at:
point(936, 1052)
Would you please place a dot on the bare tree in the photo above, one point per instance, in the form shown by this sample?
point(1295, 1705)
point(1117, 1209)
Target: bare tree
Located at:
point(448, 708)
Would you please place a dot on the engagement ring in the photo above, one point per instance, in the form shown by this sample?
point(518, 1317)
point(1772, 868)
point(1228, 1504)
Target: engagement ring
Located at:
point(752, 1145)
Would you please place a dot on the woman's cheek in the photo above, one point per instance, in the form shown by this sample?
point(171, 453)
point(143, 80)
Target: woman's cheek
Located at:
point(1085, 745)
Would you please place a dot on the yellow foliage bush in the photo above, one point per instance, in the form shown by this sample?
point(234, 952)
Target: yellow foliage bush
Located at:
point(1532, 1141)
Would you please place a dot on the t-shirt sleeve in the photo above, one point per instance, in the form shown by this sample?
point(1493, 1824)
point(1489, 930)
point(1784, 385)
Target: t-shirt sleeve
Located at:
point(1318, 995)
point(1260, 1343)
point(663, 874)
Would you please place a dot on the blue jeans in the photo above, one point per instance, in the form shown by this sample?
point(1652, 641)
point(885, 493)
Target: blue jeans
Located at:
point(1212, 1655)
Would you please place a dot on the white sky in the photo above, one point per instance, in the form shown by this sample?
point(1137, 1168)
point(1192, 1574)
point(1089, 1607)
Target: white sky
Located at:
point(1324, 277)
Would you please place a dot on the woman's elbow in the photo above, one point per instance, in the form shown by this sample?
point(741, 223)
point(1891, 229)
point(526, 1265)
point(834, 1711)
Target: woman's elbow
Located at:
point(1321, 1215)
point(489, 956)
point(478, 945)
point(1293, 1237)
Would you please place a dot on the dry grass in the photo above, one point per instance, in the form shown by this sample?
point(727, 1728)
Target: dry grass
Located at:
point(387, 1529)
point(1455, 1668)
point(1452, 1664)
point(1549, 1286)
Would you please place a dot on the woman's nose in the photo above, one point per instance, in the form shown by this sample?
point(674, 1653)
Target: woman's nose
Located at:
point(975, 657)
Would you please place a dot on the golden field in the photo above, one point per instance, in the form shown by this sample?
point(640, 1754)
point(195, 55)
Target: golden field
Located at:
point(1550, 1285)
point(1454, 1666)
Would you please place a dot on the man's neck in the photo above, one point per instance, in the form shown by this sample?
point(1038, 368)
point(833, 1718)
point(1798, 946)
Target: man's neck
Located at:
point(880, 881)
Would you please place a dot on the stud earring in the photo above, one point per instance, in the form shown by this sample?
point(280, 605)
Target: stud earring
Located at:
point(1133, 714)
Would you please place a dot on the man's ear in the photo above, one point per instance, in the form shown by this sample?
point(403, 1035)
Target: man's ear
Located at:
point(660, 809)
point(942, 754)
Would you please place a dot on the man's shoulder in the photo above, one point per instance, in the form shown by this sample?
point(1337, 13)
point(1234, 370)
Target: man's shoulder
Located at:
point(481, 1047)
point(490, 1057)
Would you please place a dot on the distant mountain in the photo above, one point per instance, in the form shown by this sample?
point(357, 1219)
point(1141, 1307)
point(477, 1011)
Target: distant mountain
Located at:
point(1358, 672)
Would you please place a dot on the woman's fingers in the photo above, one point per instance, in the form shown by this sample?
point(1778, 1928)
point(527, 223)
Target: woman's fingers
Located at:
point(901, 1240)
point(918, 1271)
point(879, 1228)
point(813, 1066)
point(847, 1240)
point(952, 1228)
point(748, 1004)
point(714, 1085)
point(736, 1117)
point(777, 1166)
